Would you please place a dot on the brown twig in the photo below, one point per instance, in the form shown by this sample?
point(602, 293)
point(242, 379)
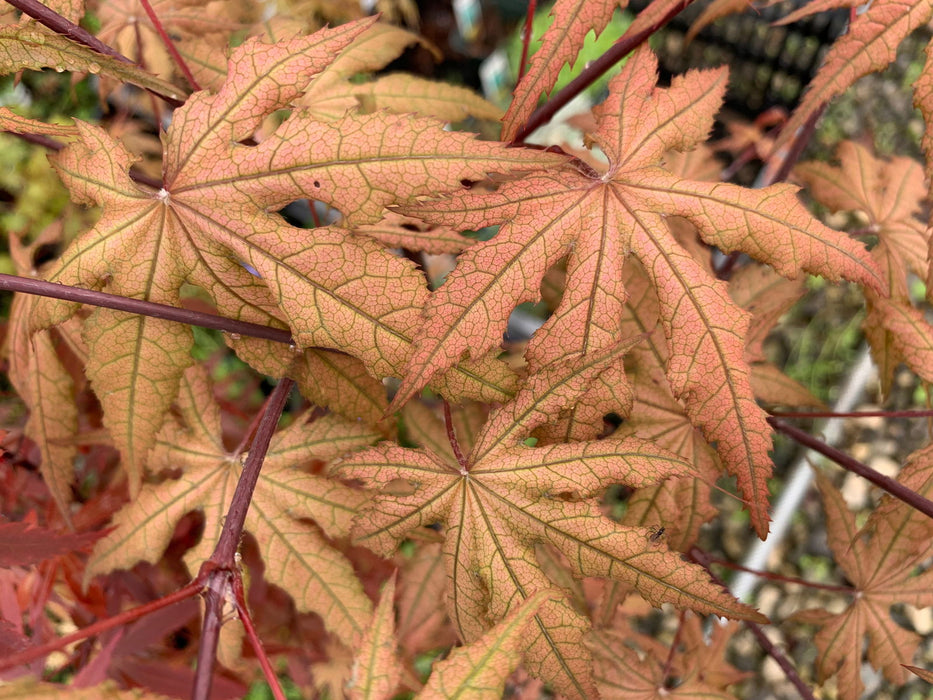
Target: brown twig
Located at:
point(26, 285)
point(221, 568)
point(254, 640)
point(783, 579)
point(899, 491)
point(123, 618)
point(170, 45)
point(790, 672)
point(526, 37)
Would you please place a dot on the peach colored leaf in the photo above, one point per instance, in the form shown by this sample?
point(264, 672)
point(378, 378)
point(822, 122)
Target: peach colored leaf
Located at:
point(766, 296)
point(339, 382)
point(206, 61)
point(296, 552)
point(422, 615)
point(426, 428)
point(53, 417)
point(32, 46)
point(773, 387)
point(707, 652)
point(10, 121)
point(813, 7)
point(41, 379)
point(881, 563)
point(658, 417)
point(508, 498)
point(376, 669)
point(328, 379)
point(603, 218)
point(869, 46)
point(480, 669)
point(909, 333)
point(404, 94)
point(556, 567)
point(31, 688)
point(560, 44)
point(653, 15)
point(331, 94)
point(714, 11)
point(622, 673)
point(923, 100)
point(891, 518)
point(889, 192)
point(214, 214)
point(126, 26)
point(552, 391)
point(134, 364)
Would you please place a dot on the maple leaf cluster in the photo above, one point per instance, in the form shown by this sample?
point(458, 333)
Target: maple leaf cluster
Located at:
point(488, 527)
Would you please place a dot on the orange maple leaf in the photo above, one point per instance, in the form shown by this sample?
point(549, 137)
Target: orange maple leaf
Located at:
point(602, 218)
point(890, 193)
point(507, 498)
point(560, 44)
point(699, 667)
point(880, 561)
point(297, 554)
point(869, 45)
point(214, 217)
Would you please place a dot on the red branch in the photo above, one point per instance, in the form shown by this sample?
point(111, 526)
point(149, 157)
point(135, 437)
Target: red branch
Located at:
point(526, 38)
point(123, 618)
point(170, 45)
point(908, 413)
point(221, 569)
point(254, 640)
point(12, 283)
point(700, 557)
point(898, 490)
point(848, 590)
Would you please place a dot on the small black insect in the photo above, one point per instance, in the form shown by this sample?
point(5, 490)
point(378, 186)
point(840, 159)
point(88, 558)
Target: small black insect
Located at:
point(656, 534)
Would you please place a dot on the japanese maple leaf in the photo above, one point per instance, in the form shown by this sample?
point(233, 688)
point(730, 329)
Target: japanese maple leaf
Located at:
point(869, 45)
point(881, 562)
point(560, 44)
point(478, 670)
point(126, 26)
point(25, 543)
point(621, 672)
point(297, 553)
point(41, 378)
point(600, 219)
point(697, 660)
point(216, 209)
point(889, 192)
point(507, 498)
